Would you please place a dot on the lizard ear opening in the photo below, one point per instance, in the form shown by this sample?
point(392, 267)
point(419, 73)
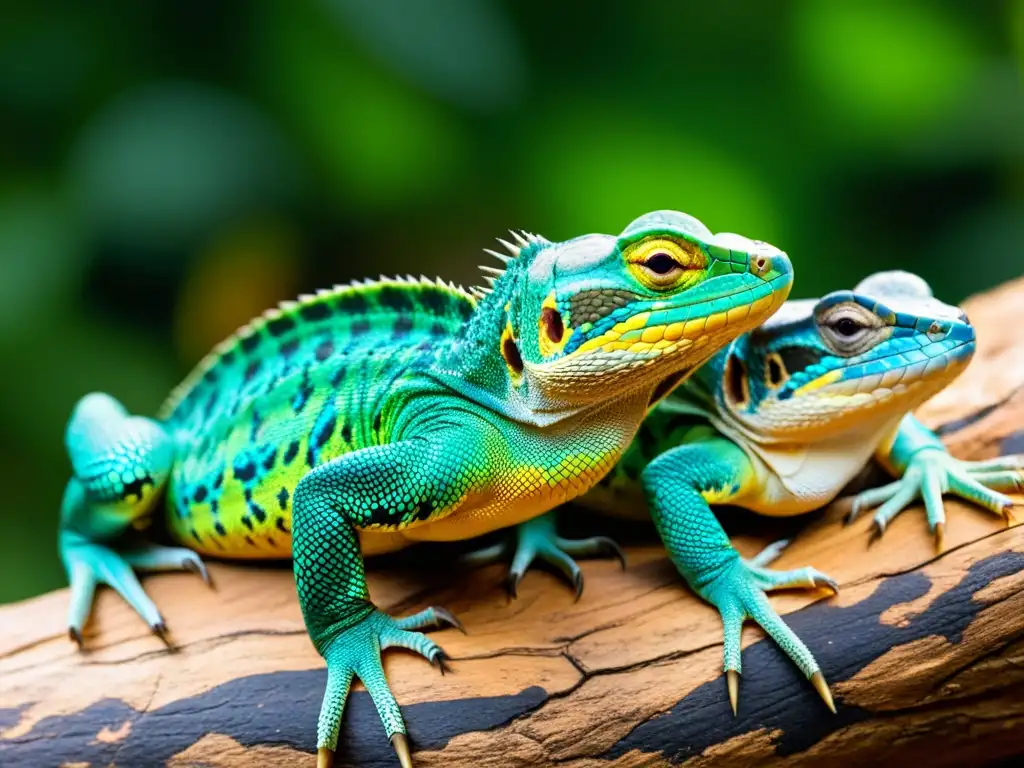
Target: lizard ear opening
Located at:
point(775, 371)
point(737, 387)
point(510, 352)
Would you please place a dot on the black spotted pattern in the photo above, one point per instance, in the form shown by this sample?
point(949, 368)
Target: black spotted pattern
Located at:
point(324, 350)
point(395, 299)
point(403, 325)
point(249, 343)
point(281, 325)
point(318, 310)
point(323, 428)
point(303, 393)
point(291, 452)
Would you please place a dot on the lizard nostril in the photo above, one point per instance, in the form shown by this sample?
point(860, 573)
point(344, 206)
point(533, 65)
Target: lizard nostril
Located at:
point(761, 264)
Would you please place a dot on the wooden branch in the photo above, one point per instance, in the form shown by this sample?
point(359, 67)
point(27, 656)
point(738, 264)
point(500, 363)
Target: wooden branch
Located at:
point(925, 652)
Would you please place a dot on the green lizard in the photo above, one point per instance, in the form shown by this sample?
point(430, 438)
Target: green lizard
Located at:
point(366, 418)
point(779, 422)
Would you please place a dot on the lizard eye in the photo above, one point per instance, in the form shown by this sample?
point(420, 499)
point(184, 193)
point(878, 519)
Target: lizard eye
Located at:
point(661, 263)
point(661, 269)
point(846, 326)
point(849, 329)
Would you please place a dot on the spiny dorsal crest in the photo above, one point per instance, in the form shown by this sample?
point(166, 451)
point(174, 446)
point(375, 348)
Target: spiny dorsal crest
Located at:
point(522, 239)
point(295, 308)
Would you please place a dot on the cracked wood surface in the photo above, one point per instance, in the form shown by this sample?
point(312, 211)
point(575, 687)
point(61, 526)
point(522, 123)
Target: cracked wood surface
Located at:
point(925, 651)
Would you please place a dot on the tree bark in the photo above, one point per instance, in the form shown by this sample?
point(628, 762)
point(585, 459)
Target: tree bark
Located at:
point(924, 651)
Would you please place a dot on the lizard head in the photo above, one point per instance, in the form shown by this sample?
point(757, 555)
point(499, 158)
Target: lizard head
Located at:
point(619, 313)
point(851, 360)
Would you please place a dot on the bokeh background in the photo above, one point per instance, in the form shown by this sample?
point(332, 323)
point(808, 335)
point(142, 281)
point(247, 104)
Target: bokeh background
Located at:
point(169, 169)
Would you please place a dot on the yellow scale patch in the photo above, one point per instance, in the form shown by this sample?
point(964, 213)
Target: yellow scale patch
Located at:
point(822, 381)
point(633, 336)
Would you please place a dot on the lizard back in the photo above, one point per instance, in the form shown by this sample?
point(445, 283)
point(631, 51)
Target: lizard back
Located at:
point(292, 389)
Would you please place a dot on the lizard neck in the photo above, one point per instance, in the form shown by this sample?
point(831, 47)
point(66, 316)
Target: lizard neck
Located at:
point(471, 364)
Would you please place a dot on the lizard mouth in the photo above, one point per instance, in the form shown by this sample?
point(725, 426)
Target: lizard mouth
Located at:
point(684, 321)
point(831, 405)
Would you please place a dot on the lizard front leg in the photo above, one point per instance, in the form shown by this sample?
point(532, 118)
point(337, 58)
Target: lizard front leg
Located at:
point(926, 470)
point(680, 485)
point(385, 487)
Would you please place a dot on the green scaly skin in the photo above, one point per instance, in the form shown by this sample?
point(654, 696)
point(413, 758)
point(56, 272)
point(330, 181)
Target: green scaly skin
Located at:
point(370, 417)
point(779, 422)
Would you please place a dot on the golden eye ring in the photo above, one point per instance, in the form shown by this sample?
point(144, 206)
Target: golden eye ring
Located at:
point(660, 263)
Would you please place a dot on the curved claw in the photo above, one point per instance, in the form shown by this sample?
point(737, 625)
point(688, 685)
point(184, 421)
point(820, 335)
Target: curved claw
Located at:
point(324, 758)
point(827, 581)
point(818, 681)
point(616, 551)
point(438, 660)
point(161, 631)
point(877, 529)
point(199, 568)
point(602, 545)
point(769, 554)
point(1008, 512)
point(511, 583)
point(444, 616)
point(732, 680)
point(401, 746)
point(537, 540)
point(940, 536)
point(76, 635)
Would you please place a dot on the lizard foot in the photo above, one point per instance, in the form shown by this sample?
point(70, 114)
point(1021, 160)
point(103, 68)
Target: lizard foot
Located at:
point(537, 540)
point(355, 652)
point(932, 473)
point(89, 564)
point(739, 593)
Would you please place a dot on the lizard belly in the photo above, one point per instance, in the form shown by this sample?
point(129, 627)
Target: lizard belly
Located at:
point(539, 471)
point(517, 498)
point(802, 479)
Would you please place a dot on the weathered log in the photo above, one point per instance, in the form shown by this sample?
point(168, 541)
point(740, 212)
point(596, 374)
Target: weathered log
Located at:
point(925, 651)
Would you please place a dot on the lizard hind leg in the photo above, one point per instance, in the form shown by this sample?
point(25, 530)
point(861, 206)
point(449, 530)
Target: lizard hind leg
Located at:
point(537, 539)
point(120, 465)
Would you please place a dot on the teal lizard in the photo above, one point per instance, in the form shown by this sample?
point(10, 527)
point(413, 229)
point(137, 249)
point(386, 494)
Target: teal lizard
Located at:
point(369, 417)
point(779, 422)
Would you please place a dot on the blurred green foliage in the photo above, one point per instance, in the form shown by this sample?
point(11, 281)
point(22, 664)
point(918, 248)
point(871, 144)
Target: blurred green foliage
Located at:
point(167, 170)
